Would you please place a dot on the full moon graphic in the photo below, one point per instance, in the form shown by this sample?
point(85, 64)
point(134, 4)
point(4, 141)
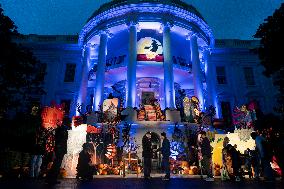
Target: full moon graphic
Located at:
point(150, 47)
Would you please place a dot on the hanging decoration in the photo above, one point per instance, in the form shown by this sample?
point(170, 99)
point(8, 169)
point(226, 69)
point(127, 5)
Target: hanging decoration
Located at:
point(111, 151)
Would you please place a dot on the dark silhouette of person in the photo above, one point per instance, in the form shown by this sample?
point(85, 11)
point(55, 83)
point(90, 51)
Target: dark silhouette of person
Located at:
point(166, 152)
point(61, 136)
point(84, 168)
point(206, 156)
point(147, 154)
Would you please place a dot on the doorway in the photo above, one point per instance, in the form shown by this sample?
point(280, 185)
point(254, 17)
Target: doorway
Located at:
point(226, 113)
point(147, 98)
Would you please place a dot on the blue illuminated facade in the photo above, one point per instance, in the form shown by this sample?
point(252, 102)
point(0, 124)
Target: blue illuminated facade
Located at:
point(136, 48)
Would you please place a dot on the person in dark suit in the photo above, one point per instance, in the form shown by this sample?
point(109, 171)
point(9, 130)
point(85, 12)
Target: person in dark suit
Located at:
point(166, 152)
point(147, 154)
point(61, 136)
point(206, 156)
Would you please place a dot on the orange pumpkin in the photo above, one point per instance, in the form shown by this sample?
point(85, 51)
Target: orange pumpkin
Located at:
point(101, 166)
point(62, 173)
point(186, 171)
point(184, 164)
point(104, 172)
point(194, 170)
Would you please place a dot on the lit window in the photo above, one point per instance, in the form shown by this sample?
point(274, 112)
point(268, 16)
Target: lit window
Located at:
point(221, 75)
point(249, 77)
point(70, 73)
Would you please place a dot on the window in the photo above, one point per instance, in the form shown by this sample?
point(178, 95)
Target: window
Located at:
point(66, 105)
point(249, 77)
point(70, 73)
point(226, 113)
point(42, 71)
point(221, 75)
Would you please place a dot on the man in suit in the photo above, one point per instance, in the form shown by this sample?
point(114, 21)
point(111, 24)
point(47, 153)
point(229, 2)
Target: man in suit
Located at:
point(147, 154)
point(166, 152)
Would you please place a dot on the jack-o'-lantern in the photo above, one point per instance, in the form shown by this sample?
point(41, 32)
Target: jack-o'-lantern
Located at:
point(184, 164)
point(217, 170)
point(104, 172)
point(194, 170)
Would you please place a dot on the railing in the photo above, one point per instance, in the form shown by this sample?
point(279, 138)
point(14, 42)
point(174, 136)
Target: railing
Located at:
point(236, 43)
point(117, 3)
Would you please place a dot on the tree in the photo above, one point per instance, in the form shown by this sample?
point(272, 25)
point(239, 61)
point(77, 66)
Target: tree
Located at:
point(19, 70)
point(270, 52)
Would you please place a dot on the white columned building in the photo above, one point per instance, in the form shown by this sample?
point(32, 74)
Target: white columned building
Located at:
point(210, 81)
point(169, 90)
point(131, 66)
point(196, 70)
point(100, 76)
point(84, 76)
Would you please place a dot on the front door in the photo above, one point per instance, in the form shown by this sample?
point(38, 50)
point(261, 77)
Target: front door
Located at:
point(147, 98)
point(226, 113)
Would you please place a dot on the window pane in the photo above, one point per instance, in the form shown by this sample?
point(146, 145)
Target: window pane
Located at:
point(249, 77)
point(221, 75)
point(42, 71)
point(70, 72)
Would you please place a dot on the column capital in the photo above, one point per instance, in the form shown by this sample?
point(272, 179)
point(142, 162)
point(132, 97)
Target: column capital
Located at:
point(206, 49)
point(167, 24)
point(191, 34)
point(106, 32)
point(134, 23)
point(85, 48)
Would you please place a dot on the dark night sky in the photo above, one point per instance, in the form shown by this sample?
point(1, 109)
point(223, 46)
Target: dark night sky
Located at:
point(235, 19)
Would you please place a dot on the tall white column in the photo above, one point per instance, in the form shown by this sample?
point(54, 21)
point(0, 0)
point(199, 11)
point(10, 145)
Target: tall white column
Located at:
point(169, 91)
point(196, 70)
point(210, 81)
point(100, 74)
point(131, 66)
point(84, 76)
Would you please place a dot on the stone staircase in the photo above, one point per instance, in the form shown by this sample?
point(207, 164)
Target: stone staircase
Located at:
point(150, 112)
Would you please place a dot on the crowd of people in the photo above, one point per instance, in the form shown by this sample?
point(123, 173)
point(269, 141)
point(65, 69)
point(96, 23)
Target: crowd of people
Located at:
point(257, 162)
